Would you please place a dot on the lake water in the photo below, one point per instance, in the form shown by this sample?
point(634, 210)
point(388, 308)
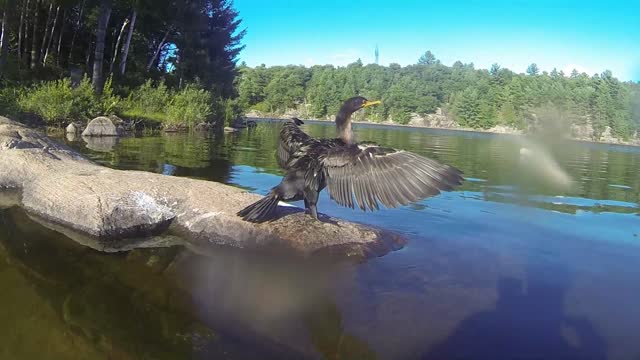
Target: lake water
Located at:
point(536, 256)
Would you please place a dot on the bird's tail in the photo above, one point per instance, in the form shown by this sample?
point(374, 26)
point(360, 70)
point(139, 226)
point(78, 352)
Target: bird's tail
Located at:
point(261, 210)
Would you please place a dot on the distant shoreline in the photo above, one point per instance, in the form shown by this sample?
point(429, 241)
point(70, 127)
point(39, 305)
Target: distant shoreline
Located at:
point(505, 130)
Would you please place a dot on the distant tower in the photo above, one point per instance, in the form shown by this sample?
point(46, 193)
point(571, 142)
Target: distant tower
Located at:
point(377, 54)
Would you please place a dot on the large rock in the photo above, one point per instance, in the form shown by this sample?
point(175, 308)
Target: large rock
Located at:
point(100, 126)
point(65, 188)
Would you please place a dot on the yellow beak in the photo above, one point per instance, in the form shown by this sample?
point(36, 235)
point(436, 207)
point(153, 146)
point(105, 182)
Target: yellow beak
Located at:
point(369, 103)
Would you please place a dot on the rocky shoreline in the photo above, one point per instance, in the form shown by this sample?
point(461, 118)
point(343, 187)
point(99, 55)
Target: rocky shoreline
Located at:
point(442, 122)
point(118, 209)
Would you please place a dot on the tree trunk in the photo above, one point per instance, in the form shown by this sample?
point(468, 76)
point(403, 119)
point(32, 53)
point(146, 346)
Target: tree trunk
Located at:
point(46, 31)
point(24, 6)
point(88, 57)
point(27, 26)
point(64, 21)
point(101, 32)
point(4, 37)
point(75, 32)
point(155, 54)
point(115, 52)
point(6, 31)
point(34, 40)
point(125, 48)
point(53, 29)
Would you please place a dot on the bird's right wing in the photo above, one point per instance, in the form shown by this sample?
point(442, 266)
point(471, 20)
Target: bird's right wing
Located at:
point(373, 174)
point(291, 139)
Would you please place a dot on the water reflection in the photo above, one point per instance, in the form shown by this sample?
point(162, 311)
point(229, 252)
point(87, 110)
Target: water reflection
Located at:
point(101, 143)
point(78, 303)
point(528, 322)
point(597, 171)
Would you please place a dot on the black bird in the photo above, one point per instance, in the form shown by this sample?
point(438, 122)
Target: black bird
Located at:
point(365, 171)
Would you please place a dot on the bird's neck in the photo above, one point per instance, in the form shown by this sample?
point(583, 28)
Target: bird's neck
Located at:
point(343, 126)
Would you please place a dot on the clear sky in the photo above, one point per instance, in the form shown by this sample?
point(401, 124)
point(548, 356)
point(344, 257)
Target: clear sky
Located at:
point(588, 35)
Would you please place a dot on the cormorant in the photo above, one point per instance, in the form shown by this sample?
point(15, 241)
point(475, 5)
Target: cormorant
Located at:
point(365, 171)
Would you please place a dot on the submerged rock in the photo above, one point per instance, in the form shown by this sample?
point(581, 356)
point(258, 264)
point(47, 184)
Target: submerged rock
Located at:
point(65, 188)
point(100, 126)
point(204, 126)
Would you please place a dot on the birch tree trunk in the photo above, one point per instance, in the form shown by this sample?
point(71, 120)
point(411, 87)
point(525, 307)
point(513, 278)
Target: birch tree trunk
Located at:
point(64, 21)
point(4, 37)
point(46, 31)
point(117, 47)
point(127, 43)
point(101, 32)
point(53, 29)
point(24, 6)
point(34, 40)
point(26, 32)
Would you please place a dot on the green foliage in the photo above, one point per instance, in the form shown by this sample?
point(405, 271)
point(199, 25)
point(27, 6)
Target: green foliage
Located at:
point(110, 103)
point(53, 101)
point(172, 42)
point(189, 106)
point(401, 117)
point(227, 109)
point(151, 97)
point(58, 102)
point(428, 59)
point(475, 98)
point(466, 108)
point(85, 104)
point(8, 100)
point(155, 101)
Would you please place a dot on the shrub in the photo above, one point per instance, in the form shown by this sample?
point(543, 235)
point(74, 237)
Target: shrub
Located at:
point(401, 117)
point(52, 100)
point(8, 103)
point(190, 105)
point(85, 104)
point(148, 98)
point(110, 104)
point(57, 101)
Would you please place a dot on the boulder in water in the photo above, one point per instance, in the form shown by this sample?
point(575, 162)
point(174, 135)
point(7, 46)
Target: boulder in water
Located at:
point(100, 126)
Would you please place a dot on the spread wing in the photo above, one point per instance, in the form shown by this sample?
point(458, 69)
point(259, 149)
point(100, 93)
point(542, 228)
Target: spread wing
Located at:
point(291, 139)
point(373, 174)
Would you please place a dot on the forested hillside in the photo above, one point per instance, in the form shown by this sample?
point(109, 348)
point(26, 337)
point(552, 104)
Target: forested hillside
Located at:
point(475, 98)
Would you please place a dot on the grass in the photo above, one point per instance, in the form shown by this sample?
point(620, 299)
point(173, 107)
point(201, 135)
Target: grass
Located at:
point(59, 102)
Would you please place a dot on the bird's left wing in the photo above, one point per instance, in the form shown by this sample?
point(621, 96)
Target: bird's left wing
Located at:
point(372, 174)
point(291, 139)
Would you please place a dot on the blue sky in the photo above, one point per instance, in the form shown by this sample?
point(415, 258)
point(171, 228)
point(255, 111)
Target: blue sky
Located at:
point(587, 35)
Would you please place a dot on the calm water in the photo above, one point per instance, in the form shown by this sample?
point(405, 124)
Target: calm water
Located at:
point(529, 259)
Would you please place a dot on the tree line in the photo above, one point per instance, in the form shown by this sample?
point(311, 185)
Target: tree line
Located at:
point(179, 43)
point(476, 98)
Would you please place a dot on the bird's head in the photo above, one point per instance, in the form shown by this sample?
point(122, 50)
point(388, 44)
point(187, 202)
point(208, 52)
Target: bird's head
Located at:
point(343, 119)
point(356, 103)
